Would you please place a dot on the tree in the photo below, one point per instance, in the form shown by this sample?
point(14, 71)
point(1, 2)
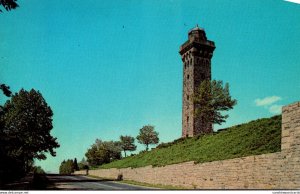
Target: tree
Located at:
point(8, 4)
point(94, 157)
point(66, 167)
point(37, 170)
point(27, 126)
point(75, 165)
point(127, 143)
point(211, 99)
point(61, 167)
point(5, 89)
point(148, 136)
point(83, 165)
point(7, 163)
point(102, 152)
point(113, 149)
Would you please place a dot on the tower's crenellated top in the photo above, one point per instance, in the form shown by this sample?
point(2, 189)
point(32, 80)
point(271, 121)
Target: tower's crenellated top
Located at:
point(197, 39)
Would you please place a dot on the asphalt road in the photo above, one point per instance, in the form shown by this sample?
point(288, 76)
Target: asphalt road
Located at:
point(76, 182)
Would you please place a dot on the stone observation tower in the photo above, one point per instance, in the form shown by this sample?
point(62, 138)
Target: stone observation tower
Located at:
point(196, 54)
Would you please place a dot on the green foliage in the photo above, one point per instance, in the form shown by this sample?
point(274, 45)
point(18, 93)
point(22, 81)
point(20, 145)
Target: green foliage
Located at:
point(127, 143)
point(96, 156)
point(75, 164)
point(8, 4)
point(37, 170)
point(25, 125)
point(256, 137)
point(113, 149)
point(83, 165)
point(67, 167)
point(211, 99)
point(5, 89)
point(102, 152)
point(28, 122)
point(148, 136)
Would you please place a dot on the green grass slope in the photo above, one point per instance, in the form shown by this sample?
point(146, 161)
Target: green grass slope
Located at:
point(256, 137)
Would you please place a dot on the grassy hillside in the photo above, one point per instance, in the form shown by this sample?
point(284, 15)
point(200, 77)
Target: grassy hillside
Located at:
point(256, 137)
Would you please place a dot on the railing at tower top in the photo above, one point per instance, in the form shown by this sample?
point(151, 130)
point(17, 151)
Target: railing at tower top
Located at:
point(197, 40)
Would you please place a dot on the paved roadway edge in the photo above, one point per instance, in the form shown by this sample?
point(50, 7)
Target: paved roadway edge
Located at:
point(130, 184)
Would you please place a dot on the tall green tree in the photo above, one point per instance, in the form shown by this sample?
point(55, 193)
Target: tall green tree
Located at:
point(27, 125)
point(7, 163)
point(62, 167)
point(69, 166)
point(211, 100)
point(75, 167)
point(148, 136)
point(127, 143)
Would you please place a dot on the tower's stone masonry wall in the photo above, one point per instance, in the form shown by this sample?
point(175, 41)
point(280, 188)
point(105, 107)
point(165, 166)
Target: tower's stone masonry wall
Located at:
point(196, 56)
point(188, 91)
point(279, 170)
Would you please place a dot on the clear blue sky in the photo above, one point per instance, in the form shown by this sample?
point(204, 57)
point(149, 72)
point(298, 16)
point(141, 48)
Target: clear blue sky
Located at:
point(107, 68)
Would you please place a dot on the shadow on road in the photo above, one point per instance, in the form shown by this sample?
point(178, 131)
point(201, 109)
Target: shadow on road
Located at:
point(29, 182)
point(68, 182)
point(54, 178)
point(74, 182)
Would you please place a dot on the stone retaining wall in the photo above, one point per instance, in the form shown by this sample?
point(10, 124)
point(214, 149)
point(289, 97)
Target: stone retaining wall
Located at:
point(279, 170)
